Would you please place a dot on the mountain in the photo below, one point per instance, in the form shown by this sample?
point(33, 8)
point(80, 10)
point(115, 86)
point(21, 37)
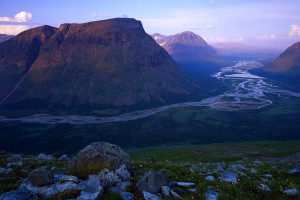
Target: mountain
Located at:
point(237, 51)
point(102, 63)
point(4, 37)
point(286, 67)
point(191, 51)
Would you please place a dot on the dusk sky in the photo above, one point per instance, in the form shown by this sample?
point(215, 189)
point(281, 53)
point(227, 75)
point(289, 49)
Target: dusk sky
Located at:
point(271, 23)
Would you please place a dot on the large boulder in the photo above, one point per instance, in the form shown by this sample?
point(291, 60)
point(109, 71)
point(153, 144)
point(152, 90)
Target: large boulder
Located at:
point(41, 176)
point(96, 157)
point(152, 181)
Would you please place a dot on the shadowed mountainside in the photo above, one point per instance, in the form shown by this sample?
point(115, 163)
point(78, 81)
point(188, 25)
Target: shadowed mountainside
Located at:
point(106, 63)
point(4, 37)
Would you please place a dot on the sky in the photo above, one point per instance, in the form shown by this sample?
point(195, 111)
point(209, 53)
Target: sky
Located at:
point(269, 23)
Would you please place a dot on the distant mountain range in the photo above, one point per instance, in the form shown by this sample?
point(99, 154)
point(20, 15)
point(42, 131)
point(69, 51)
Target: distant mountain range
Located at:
point(192, 52)
point(237, 51)
point(4, 37)
point(286, 67)
point(103, 63)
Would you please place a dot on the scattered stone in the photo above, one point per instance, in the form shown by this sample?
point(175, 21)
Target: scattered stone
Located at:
point(229, 176)
point(14, 164)
point(210, 178)
point(236, 167)
point(194, 168)
point(96, 157)
point(152, 181)
point(268, 175)
point(175, 195)
point(140, 166)
point(257, 162)
point(41, 176)
point(19, 195)
point(91, 189)
point(185, 184)
point(291, 192)
point(149, 196)
point(253, 171)
point(151, 160)
point(165, 190)
point(64, 157)
point(295, 171)
point(44, 157)
point(264, 180)
point(108, 178)
point(16, 157)
point(264, 188)
point(123, 173)
point(5, 171)
point(127, 195)
point(211, 195)
point(242, 174)
point(66, 178)
point(193, 190)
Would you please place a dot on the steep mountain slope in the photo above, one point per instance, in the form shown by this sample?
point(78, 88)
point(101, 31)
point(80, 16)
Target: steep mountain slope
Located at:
point(286, 67)
point(236, 51)
point(4, 37)
point(191, 51)
point(103, 63)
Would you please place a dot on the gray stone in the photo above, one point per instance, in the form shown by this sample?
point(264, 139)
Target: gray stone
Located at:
point(5, 171)
point(268, 175)
point(108, 178)
point(16, 157)
point(41, 176)
point(211, 195)
point(257, 162)
point(236, 167)
point(152, 181)
point(127, 195)
point(229, 176)
point(291, 192)
point(68, 178)
point(165, 190)
point(264, 180)
point(210, 178)
point(264, 188)
point(295, 171)
point(185, 184)
point(19, 195)
point(253, 171)
point(123, 173)
point(149, 196)
point(91, 189)
point(96, 157)
point(44, 157)
point(175, 195)
point(64, 157)
point(14, 164)
point(194, 168)
point(193, 190)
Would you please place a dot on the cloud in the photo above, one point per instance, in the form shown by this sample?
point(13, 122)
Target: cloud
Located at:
point(215, 39)
point(240, 39)
point(212, 2)
point(15, 25)
point(295, 31)
point(19, 17)
point(266, 37)
point(208, 26)
point(13, 29)
point(95, 15)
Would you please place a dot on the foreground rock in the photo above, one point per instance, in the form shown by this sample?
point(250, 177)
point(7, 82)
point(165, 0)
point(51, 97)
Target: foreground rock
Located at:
point(152, 181)
point(229, 176)
point(19, 195)
point(291, 192)
point(96, 157)
point(211, 195)
point(41, 176)
point(295, 171)
point(149, 196)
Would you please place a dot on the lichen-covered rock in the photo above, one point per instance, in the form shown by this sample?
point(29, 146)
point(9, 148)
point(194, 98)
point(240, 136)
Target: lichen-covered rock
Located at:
point(211, 195)
point(108, 178)
point(229, 176)
point(41, 176)
point(152, 181)
point(91, 189)
point(149, 196)
point(96, 157)
point(123, 173)
point(19, 195)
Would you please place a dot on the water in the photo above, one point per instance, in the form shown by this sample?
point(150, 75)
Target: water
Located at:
point(247, 91)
